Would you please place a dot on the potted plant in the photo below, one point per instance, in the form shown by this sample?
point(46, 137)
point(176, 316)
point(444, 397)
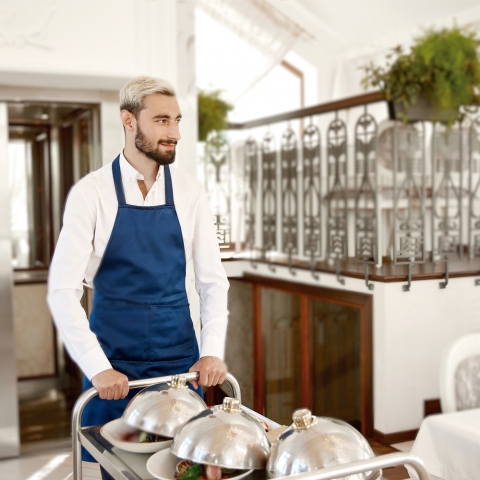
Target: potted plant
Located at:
point(439, 75)
point(212, 113)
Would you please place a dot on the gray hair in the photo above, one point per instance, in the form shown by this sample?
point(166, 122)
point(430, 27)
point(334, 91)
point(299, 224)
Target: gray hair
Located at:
point(133, 93)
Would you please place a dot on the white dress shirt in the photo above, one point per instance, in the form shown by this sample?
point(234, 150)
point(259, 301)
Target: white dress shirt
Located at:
point(90, 213)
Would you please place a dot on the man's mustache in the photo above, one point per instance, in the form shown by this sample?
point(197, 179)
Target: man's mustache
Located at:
point(168, 142)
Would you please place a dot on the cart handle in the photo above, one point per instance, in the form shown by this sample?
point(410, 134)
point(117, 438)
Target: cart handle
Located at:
point(361, 466)
point(86, 396)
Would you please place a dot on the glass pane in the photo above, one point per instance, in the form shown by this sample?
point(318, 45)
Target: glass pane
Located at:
point(336, 361)
point(281, 324)
point(29, 196)
point(85, 144)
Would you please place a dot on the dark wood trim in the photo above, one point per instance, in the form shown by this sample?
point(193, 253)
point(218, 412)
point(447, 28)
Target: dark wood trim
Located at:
point(366, 365)
point(334, 106)
point(388, 273)
point(259, 376)
point(298, 73)
point(363, 302)
point(39, 377)
point(305, 352)
point(301, 77)
point(329, 294)
point(28, 282)
point(432, 407)
point(396, 437)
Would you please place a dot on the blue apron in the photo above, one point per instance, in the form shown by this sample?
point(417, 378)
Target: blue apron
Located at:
point(140, 312)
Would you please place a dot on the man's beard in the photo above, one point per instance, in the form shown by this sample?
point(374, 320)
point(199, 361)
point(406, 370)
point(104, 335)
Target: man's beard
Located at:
point(151, 151)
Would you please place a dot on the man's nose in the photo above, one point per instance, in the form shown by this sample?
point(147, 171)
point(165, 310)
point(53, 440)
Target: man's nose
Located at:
point(174, 132)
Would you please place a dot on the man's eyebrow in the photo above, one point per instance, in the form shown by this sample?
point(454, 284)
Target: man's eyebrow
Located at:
point(164, 115)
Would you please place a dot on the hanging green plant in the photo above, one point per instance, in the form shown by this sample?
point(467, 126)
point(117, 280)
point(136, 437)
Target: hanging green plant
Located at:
point(212, 113)
point(442, 71)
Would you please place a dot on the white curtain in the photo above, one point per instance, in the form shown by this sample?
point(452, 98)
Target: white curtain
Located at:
point(239, 42)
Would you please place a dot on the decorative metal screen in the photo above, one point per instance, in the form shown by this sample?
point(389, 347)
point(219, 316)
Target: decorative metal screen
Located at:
point(474, 190)
point(251, 191)
point(409, 194)
point(217, 185)
point(366, 220)
point(312, 194)
point(337, 213)
point(447, 190)
point(289, 193)
point(300, 205)
point(269, 194)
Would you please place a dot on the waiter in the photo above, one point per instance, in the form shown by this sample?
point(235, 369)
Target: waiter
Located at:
point(129, 228)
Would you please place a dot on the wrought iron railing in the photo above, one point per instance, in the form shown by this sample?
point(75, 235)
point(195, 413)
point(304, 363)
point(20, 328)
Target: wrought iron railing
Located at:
point(350, 185)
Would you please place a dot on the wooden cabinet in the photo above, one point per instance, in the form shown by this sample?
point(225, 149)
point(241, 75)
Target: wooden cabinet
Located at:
point(312, 348)
point(281, 359)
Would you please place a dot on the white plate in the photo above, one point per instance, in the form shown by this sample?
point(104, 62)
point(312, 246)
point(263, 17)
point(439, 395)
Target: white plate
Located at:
point(115, 430)
point(162, 465)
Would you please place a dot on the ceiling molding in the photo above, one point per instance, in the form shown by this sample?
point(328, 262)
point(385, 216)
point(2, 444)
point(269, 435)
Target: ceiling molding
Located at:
point(307, 21)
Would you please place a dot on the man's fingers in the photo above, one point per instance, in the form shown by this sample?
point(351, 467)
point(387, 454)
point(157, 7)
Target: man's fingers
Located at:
point(116, 392)
point(218, 378)
point(213, 380)
point(195, 384)
point(204, 377)
point(110, 393)
point(110, 384)
point(125, 390)
point(222, 377)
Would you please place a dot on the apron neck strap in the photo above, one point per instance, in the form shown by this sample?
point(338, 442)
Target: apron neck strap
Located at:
point(168, 186)
point(117, 179)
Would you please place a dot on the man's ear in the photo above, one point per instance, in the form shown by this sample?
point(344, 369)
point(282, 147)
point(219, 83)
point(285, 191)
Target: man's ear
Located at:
point(128, 120)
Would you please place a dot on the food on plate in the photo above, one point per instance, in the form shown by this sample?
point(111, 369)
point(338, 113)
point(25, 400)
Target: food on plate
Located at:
point(187, 470)
point(142, 437)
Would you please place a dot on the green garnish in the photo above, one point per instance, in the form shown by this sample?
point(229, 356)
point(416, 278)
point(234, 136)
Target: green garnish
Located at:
point(146, 437)
point(193, 472)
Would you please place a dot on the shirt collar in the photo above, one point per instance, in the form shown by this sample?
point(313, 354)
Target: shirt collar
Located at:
point(130, 173)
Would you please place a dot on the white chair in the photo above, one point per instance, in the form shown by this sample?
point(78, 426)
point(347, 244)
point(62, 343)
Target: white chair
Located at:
point(460, 374)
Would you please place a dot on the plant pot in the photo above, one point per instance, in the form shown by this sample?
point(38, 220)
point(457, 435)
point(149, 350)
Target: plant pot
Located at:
point(423, 111)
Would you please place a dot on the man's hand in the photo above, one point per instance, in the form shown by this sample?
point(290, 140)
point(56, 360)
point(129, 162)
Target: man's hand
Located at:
point(110, 384)
point(212, 372)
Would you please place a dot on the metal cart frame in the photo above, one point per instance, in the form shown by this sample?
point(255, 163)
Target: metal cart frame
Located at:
point(86, 436)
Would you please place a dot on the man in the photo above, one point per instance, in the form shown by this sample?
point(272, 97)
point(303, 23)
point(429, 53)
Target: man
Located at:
point(129, 229)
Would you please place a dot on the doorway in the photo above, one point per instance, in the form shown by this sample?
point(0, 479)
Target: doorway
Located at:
point(51, 146)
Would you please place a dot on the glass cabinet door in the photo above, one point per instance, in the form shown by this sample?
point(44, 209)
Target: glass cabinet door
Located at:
point(281, 331)
point(336, 361)
point(29, 177)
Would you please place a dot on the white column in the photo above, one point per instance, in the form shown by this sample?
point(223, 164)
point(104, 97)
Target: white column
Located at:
point(111, 130)
point(9, 428)
point(186, 84)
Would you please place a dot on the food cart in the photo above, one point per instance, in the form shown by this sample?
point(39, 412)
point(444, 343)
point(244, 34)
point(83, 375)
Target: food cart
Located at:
point(123, 465)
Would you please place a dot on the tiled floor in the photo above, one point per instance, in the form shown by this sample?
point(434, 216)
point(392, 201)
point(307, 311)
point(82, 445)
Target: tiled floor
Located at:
point(48, 460)
point(395, 473)
point(404, 446)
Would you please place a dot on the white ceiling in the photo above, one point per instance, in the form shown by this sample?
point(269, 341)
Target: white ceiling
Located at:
point(356, 23)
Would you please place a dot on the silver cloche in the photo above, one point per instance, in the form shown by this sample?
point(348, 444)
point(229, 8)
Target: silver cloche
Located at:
point(312, 443)
point(225, 436)
point(162, 410)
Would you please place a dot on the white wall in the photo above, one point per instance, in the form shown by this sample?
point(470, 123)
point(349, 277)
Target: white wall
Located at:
point(56, 48)
point(410, 331)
